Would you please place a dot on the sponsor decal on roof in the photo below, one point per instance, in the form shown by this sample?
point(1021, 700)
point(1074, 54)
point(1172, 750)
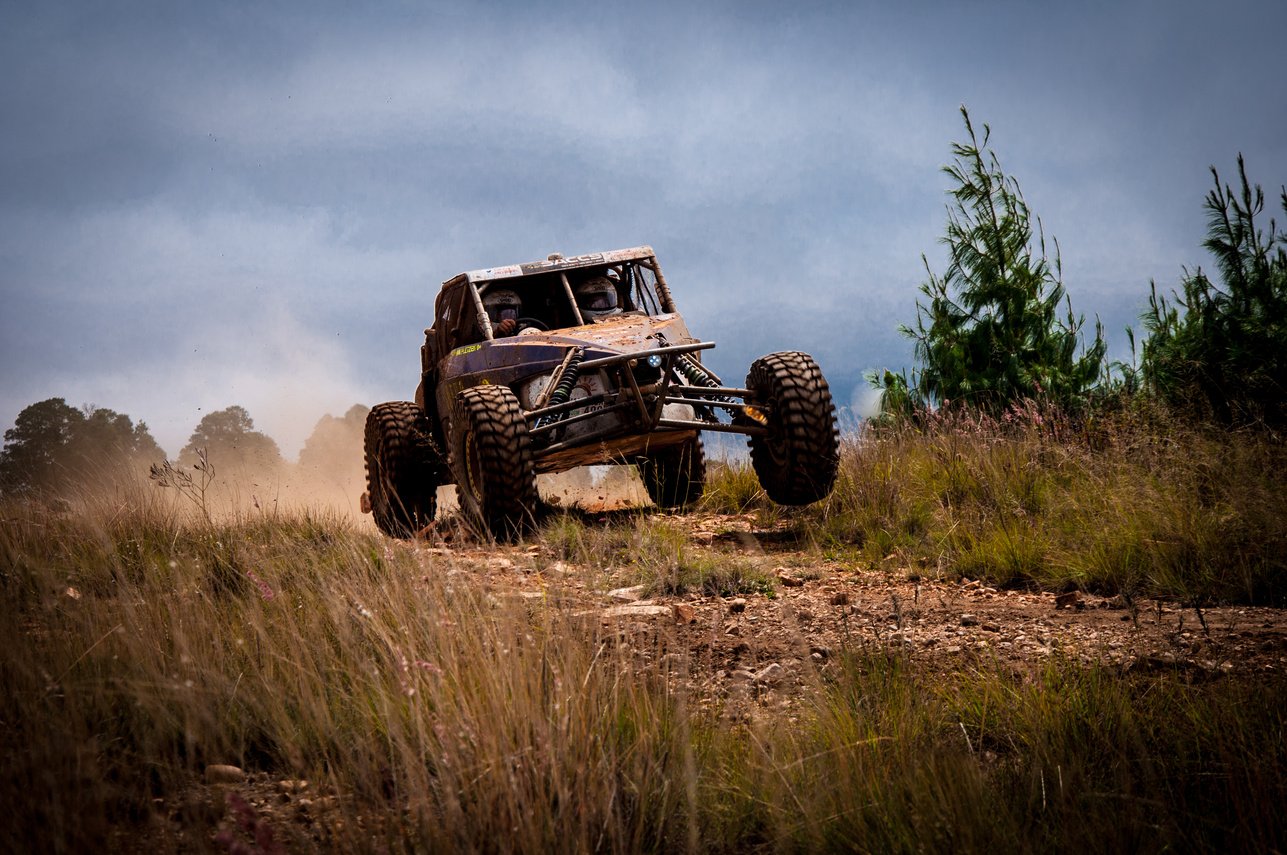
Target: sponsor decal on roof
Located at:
point(512, 270)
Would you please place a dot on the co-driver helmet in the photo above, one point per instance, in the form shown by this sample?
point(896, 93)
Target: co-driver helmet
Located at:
point(597, 298)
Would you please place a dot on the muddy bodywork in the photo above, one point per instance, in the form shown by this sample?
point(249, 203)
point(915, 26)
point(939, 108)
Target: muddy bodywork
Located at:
point(593, 390)
point(588, 362)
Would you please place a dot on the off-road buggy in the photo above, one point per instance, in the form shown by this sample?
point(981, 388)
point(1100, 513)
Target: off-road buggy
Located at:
point(575, 387)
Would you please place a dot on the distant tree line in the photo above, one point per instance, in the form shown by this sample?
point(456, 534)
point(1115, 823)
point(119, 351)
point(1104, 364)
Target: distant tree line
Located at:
point(54, 449)
point(53, 446)
point(997, 327)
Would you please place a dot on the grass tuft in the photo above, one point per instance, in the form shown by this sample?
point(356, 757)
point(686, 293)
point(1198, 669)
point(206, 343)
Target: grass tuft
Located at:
point(1130, 503)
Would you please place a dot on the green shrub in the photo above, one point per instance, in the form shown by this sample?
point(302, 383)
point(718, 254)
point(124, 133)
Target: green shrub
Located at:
point(990, 334)
point(1220, 350)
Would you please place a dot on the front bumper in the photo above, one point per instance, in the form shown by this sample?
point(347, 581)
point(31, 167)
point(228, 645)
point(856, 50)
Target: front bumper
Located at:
point(629, 417)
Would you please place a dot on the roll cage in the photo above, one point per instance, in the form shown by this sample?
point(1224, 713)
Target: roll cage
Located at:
point(655, 371)
point(547, 290)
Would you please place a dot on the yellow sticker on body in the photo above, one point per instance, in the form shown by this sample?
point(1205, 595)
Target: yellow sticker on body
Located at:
point(469, 348)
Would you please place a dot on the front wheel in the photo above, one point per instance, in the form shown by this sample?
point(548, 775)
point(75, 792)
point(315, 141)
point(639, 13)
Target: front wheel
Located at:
point(403, 468)
point(796, 461)
point(675, 476)
point(492, 462)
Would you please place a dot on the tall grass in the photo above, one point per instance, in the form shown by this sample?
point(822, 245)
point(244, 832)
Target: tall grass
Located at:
point(142, 644)
point(144, 649)
point(1130, 504)
point(976, 761)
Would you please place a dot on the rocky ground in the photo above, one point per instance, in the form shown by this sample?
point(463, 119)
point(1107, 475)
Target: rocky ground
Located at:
point(819, 607)
point(757, 653)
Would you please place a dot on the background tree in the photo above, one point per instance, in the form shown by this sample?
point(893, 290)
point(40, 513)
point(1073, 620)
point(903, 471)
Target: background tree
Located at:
point(53, 446)
point(332, 454)
point(106, 434)
point(232, 443)
point(1225, 355)
point(992, 333)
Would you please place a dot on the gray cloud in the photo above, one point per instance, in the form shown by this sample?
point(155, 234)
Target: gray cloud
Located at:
point(254, 203)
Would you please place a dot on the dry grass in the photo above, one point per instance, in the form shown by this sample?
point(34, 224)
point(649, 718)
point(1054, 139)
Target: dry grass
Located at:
point(1130, 504)
point(302, 646)
point(642, 548)
point(143, 643)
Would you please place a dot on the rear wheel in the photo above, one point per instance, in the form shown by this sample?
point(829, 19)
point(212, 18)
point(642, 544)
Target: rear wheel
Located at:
point(491, 460)
point(403, 468)
point(675, 476)
point(797, 460)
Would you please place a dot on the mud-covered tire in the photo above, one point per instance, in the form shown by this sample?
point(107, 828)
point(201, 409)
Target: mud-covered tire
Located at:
point(492, 462)
point(675, 476)
point(796, 461)
point(403, 468)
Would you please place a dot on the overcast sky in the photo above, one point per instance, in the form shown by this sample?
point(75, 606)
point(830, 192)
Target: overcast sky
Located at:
point(255, 203)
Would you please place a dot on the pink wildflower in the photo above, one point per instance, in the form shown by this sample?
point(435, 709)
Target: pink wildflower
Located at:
point(264, 590)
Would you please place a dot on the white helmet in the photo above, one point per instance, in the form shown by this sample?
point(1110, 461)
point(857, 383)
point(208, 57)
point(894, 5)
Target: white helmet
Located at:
point(597, 298)
point(501, 304)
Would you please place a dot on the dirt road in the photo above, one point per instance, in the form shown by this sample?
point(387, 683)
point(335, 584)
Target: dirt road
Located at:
point(818, 608)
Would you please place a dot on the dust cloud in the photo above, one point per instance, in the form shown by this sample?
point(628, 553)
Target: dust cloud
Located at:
point(594, 488)
point(865, 401)
point(330, 477)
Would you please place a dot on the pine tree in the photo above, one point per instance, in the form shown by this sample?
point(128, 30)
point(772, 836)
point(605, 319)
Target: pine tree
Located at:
point(991, 333)
point(1225, 355)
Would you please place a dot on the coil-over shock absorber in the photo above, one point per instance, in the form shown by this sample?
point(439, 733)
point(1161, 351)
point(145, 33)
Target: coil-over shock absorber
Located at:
point(692, 372)
point(563, 386)
point(696, 375)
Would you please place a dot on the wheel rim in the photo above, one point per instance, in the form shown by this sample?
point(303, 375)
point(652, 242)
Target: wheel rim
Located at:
point(775, 446)
point(473, 469)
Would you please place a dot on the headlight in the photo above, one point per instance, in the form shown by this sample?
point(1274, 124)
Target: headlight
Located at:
point(647, 369)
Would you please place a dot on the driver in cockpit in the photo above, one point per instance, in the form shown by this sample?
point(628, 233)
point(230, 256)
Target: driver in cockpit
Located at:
point(504, 308)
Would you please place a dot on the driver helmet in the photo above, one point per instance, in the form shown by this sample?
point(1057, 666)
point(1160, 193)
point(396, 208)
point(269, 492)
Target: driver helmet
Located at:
point(502, 304)
point(597, 298)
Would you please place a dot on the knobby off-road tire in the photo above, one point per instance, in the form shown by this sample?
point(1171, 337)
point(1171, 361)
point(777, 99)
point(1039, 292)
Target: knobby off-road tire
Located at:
point(675, 476)
point(796, 461)
point(491, 460)
point(403, 468)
